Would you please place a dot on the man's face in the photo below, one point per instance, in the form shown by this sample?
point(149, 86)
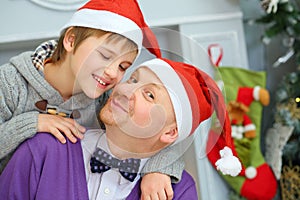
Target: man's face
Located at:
point(140, 107)
point(97, 65)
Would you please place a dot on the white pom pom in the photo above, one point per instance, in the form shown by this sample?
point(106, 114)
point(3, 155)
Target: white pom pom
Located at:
point(228, 164)
point(251, 172)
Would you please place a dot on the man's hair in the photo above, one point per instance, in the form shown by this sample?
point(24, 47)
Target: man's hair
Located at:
point(82, 33)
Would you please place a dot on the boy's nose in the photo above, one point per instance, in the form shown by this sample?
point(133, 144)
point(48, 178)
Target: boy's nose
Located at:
point(112, 70)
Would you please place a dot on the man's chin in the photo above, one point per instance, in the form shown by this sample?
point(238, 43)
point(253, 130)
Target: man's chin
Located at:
point(111, 120)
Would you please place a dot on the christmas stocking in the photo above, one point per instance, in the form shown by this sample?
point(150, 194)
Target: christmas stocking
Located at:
point(245, 97)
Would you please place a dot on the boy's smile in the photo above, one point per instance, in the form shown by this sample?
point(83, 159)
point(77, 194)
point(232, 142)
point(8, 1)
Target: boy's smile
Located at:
point(100, 81)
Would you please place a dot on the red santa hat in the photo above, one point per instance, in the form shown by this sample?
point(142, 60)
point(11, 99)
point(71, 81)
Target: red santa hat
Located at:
point(195, 96)
point(247, 95)
point(123, 17)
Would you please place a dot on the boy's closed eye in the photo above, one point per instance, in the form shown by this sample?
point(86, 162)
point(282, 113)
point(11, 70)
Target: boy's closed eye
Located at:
point(105, 56)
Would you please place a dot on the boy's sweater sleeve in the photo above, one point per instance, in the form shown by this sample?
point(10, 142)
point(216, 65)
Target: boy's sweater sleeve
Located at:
point(168, 161)
point(16, 130)
point(16, 125)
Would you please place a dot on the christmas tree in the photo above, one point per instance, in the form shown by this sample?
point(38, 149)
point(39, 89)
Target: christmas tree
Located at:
point(282, 17)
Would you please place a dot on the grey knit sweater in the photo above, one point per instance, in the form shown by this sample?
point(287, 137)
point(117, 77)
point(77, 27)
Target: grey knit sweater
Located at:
point(22, 85)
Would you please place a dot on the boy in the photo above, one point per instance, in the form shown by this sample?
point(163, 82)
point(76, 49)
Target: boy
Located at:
point(86, 41)
point(142, 117)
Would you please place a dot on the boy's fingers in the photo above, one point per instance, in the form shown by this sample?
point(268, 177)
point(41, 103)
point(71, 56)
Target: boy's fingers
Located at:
point(71, 129)
point(74, 131)
point(154, 197)
point(146, 198)
point(65, 128)
point(169, 193)
point(69, 135)
point(78, 127)
point(162, 195)
point(59, 136)
point(82, 129)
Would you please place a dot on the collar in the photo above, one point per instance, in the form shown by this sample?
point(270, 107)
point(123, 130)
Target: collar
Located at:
point(43, 53)
point(96, 138)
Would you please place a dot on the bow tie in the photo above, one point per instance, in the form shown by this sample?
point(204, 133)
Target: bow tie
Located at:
point(101, 161)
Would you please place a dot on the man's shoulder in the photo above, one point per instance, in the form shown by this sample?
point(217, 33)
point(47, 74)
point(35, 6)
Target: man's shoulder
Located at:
point(186, 188)
point(186, 180)
point(46, 140)
point(42, 138)
point(187, 177)
point(44, 146)
point(43, 141)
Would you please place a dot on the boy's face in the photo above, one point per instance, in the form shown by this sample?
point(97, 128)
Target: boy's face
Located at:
point(140, 107)
point(97, 65)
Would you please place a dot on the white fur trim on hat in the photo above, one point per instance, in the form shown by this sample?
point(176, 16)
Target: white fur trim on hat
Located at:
point(256, 93)
point(250, 127)
point(250, 172)
point(237, 132)
point(228, 164)
point(107, 21)
point(178, 95)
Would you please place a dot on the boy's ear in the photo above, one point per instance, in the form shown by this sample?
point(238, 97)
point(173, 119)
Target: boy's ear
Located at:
point(169, 136)
point(69, 40)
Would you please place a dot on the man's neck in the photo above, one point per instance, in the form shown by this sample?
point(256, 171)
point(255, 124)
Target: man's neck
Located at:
point(124, 146)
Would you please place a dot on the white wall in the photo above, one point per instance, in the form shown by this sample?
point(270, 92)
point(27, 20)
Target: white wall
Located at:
point(19, 17)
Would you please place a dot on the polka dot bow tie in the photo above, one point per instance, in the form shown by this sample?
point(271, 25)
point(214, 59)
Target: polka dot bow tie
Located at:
point(101, 161)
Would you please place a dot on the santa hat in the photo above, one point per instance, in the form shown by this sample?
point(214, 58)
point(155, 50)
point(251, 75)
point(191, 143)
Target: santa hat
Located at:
point(123, 17)
point(195, 96)
point(247, 95)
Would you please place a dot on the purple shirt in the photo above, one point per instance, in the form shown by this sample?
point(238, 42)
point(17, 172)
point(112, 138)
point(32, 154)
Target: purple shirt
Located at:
point(43, 168)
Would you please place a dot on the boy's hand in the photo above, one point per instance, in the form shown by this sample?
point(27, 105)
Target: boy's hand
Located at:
point(156, 186)
point(56, 125)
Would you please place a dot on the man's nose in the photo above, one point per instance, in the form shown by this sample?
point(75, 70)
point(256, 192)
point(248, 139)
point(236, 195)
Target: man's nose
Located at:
point(129, 90)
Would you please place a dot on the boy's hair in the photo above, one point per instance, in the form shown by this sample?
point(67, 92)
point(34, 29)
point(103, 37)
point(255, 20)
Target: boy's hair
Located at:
point(82, 33)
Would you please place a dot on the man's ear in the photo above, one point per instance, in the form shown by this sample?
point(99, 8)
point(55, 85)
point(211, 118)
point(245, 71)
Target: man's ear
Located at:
point(169, 136)
point(69, 40)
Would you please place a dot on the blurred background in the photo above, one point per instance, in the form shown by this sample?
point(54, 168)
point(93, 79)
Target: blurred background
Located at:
point(252, 34)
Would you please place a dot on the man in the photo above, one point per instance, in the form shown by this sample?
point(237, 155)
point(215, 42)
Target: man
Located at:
point(143, 116)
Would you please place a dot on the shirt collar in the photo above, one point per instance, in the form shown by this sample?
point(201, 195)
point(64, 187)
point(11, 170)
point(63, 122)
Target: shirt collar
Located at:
point(97, 138)
point(102, 143)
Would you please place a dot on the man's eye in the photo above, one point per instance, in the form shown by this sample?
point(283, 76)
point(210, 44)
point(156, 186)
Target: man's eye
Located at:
point(132, 80)
point(122, 68)
point(149, 94)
